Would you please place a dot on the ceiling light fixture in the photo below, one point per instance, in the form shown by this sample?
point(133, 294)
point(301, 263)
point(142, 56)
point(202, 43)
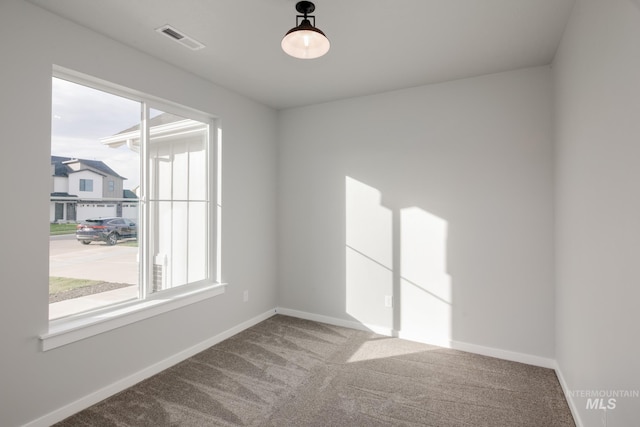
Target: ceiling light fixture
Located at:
point(305, 41)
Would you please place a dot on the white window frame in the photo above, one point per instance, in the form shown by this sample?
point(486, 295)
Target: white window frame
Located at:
point(86, 324)
point(83, 184)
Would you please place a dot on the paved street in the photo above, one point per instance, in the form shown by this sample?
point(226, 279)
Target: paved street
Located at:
point(97, 261)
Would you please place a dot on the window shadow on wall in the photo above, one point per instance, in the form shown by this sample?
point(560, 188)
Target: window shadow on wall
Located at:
point(396, 266)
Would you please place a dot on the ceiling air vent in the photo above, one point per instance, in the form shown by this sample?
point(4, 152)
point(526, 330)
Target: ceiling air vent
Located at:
point(180, 37)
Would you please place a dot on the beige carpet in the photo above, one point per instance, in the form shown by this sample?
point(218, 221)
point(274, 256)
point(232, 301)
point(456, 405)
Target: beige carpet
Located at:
point(291, 372)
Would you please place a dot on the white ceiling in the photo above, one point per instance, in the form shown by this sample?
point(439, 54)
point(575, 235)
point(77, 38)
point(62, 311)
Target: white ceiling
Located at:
point(376, 46)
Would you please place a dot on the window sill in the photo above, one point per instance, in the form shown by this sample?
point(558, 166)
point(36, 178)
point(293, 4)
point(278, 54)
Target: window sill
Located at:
point(65, 331)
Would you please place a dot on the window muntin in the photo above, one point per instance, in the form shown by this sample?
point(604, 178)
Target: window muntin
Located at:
point(177, 243)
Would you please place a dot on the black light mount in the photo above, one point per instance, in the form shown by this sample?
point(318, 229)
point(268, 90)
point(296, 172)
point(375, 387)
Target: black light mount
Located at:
point(305, 7)
point(305, 41)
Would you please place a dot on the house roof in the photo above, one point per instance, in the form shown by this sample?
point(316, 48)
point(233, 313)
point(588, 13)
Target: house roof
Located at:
point(128, 194)
point(160, 119)
point(88, 170)
point(61, 167)
point(163, 125)
point(61, 194)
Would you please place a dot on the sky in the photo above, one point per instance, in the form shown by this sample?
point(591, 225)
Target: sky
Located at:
point(82, 115)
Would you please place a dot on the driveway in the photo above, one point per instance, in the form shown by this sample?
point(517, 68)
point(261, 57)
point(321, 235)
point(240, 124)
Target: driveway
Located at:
point(97, 261)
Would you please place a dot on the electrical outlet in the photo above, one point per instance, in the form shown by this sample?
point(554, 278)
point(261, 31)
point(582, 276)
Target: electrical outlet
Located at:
point(388, 301)
point(245, 296)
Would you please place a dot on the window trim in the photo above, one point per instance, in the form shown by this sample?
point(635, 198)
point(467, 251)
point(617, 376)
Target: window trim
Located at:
point(82, 325)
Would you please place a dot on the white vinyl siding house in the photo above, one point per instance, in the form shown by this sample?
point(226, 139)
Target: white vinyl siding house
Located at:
point(80, 190)
point(86, 183)
point(60, 185)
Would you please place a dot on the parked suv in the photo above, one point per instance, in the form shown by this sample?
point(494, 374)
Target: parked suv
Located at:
point(108, 230)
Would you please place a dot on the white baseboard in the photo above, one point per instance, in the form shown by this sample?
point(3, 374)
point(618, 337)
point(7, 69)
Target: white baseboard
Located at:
point(99, 395)
point(513, 356)
point(456, 345)
point(566, 390)
point(498, 353)
point(334, 321)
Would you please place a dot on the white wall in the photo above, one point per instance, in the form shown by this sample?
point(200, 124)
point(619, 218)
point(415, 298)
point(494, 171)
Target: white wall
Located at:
point(34, 383)
point(74, 184)
point(597, 80)
point(441, 195)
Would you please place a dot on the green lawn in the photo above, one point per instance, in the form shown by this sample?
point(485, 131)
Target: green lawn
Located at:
point(61, 284)
point(56, 229)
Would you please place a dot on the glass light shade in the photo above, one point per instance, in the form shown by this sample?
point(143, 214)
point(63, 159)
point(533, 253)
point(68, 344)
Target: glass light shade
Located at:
point(305, 42)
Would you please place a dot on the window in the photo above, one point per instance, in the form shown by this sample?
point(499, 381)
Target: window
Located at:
point(86, 185)
point(162, 250)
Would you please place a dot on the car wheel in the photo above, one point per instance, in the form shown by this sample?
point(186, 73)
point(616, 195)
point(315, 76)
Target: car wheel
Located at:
point(85, 242)
point(112, 239)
